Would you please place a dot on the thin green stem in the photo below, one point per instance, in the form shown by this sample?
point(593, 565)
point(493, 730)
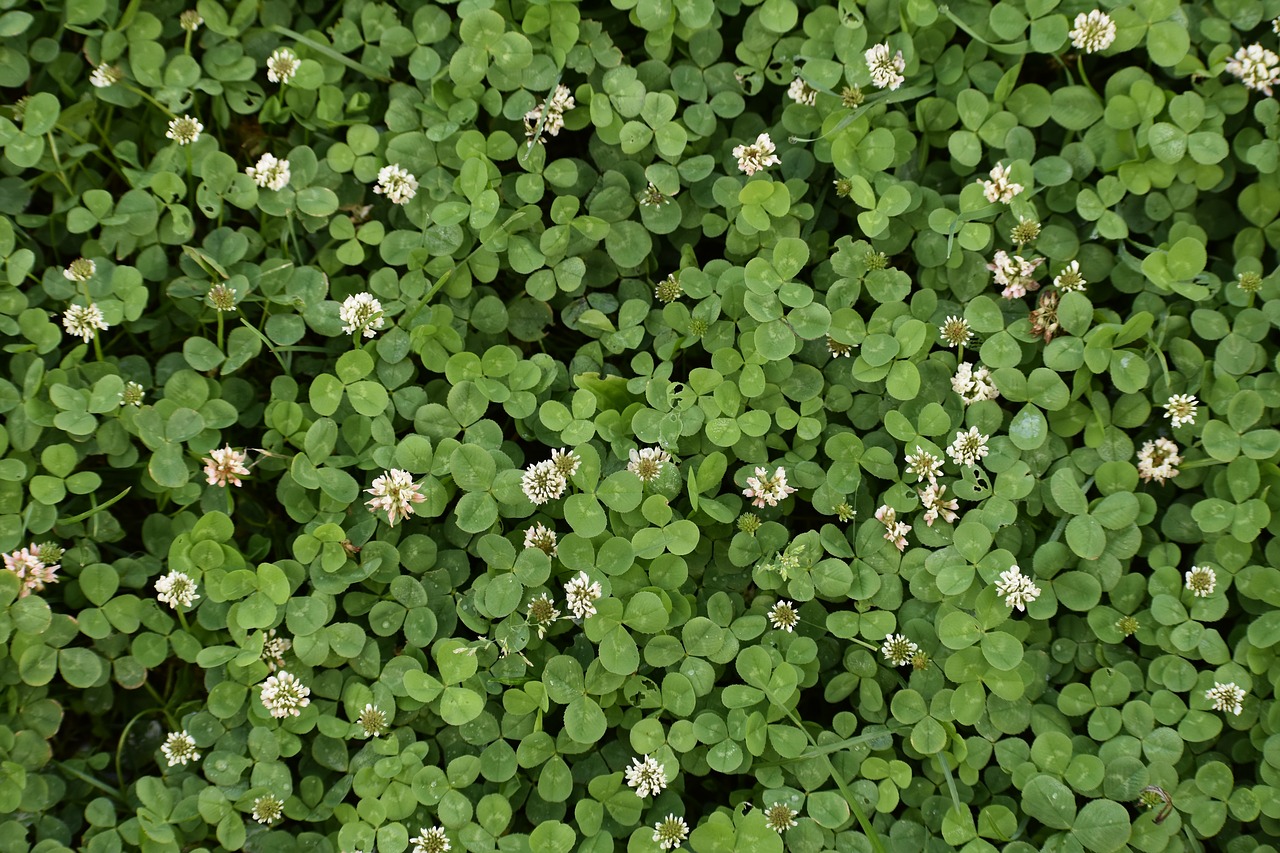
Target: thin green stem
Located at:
point(116, 793)
point(148, 96)
point(1084, 78)
point(57, 161)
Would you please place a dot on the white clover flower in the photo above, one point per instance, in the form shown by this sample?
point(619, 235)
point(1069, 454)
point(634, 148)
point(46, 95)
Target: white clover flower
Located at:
point(780, 817)
point(560, 102)
point(955, 332)
point(372, 720)
point(273, 650)
point(973, 384)
point(1093, 32)
point(936, 505)
point(190, 20)
point(1015, 273)
point(1070, 279)
point(397, 184)
point(1257, 67)
point(105, 76)
point(756, 156)
point(179, 748)
point(802, 93)
point(646, 463)
point(898, 650)
point(543, 613)
point(838, 349)
point(923, 464)
point(267, 809)
point(81, 269)
point(132, 394)
point(431, 840)
point(670, 832)
point(1181, 409)
point(1201, 580)
point(222, 297)
point(225, 466)
point(271, 172)
point(1000, 188)
point(766, 490)
point(1158, 460)
point(282, 65)
point(582, 593)
point(361, 312)
point(395, 492)
point(543, 482)
point(894, 531)
point(84, 322)
point(541, 537)
point(176, 589)
point(647, 776)
point(284, 695)
point(566, 461)
point(33, 567)
point(668, 290)
point(784, 616)
point(968, 448)
point(652, 196)
point(185, 130)
point(886, 71)
point(1226, 697)
point(1018, 589)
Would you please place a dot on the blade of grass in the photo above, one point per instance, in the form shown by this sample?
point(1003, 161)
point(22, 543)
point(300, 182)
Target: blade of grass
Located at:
point(867, 829)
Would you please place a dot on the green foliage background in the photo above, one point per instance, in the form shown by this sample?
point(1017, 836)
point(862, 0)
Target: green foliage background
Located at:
point(518, 288)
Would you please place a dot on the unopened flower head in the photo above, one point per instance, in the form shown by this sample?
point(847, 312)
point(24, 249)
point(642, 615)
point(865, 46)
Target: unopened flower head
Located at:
point(766, 490)
point(396, 183)
point(851, 97)
point(267, 809)
point(802, 93)
point(273, 650)
point(282, 65)
point(1015, 274)
point(1044, 318)
point(999, 188)
point(84, 321)
point(1249, 282)
point(190, 20)
point(542, 612)
point(1226, 697)
point(668, 290)
point(1257, 67)
point(933, 498)
point(132, 394)
point(647, 776)
point(780, 817)
point(895, 531)
point(886, 69)
point(757, 155)
point(270, 172)
point(541, 537)
point(670, 832)
point(551, 113)
point(1201, 580)
point(582, 593)
point(955, 332)
point(225, 465)
point(395, 493)
point(185, 130)
point(838, 349)
point(1018, 589)
point(543, 482)
point(433, 840)
point(973, 384)
point(652, 196)
point(784, 616)
point(566, 461)
point(361, 313)
point(844, 187)
point(876, 260)
point(372, 720)
point(749, 523)
point(284, 695)
point(34, 566)
point(1181, 409)
point(105, 76)
point(1070, 279)
point(81, 269)
point(646, 463)
point(179, 748)
point(1158, 460)
point(1093, 32)
point(898, 650)
point(1127, 625)
point(923, 465)
point(1024, 232)
point(969, 447)
point(176, 589)
point(222, 297)
point(845, 512)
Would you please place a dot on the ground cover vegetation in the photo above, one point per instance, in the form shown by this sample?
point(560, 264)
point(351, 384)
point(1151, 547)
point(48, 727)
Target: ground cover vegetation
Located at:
point(549, 426)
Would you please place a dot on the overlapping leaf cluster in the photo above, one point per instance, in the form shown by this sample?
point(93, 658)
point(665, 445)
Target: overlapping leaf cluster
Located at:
point(604, 278)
